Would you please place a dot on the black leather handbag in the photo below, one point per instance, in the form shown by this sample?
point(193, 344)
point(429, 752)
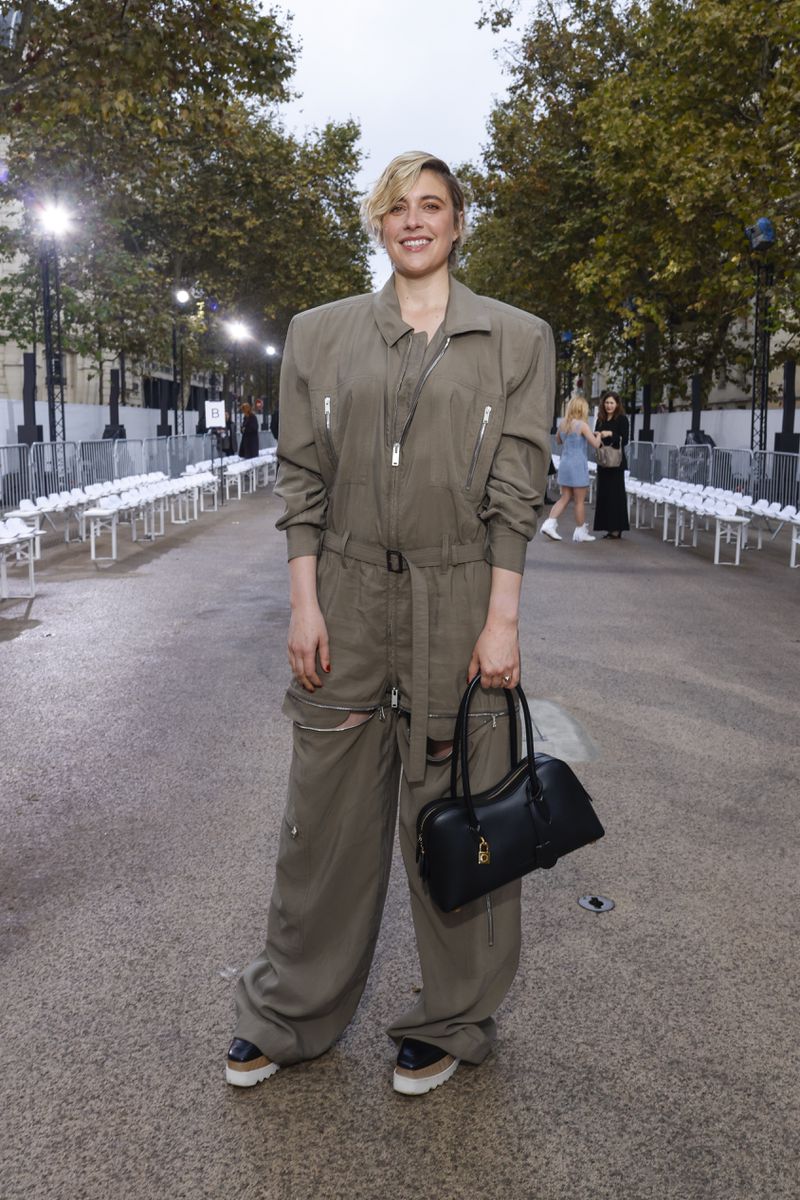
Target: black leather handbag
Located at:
point(469, 845)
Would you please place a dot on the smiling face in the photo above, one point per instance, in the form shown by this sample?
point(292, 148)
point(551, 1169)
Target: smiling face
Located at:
point(420, 229)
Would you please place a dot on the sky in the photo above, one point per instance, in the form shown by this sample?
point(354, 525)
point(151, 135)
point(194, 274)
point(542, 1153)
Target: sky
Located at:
point(416, 75)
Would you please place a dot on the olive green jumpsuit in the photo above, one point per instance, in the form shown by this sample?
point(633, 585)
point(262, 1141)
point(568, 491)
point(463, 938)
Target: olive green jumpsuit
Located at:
point(409, 469)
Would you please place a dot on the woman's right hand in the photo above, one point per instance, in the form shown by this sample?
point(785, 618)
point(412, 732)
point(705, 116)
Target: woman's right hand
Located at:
point(308, 638)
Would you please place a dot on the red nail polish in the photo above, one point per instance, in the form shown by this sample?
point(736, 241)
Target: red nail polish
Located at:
point(327, 669)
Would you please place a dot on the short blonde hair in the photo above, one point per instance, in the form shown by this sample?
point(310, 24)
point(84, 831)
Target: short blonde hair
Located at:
point(577, 410)
point(397, 180)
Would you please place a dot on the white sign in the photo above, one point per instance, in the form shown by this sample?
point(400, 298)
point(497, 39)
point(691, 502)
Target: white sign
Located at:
point(215, 414)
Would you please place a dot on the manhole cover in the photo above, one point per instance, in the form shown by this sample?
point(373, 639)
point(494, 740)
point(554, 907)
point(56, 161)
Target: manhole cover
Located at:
point(596, 903)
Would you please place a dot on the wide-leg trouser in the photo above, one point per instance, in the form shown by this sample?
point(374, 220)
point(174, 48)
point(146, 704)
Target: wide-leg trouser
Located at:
point(332, 872)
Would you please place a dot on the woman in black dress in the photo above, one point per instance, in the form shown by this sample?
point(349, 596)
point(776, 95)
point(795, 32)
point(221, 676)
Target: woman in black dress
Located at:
point(248, 446)
point(611, 509)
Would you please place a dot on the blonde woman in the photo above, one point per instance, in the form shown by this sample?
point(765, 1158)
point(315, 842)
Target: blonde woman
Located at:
point(573, 470)
point(412, 456)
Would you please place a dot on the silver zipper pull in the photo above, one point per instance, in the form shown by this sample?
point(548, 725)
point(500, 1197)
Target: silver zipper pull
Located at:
point(328, 413)
point(381, 713)
point(396, 454)
point(395, 698)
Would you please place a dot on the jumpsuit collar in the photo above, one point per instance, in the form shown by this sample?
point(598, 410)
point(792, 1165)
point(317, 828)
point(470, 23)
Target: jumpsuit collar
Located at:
point(465, 313)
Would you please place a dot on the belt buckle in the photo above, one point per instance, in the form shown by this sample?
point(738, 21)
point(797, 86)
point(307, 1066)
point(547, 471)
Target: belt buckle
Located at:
point(394, 561)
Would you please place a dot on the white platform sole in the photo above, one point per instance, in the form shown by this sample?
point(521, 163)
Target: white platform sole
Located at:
point(419, 1084)
point(250, 1078)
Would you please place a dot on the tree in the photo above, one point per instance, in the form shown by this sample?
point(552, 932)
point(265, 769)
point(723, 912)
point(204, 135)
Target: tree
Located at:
point(154, 121)
point(656, 132)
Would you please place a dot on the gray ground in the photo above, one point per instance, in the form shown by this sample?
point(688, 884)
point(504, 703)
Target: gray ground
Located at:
point(651, 1052)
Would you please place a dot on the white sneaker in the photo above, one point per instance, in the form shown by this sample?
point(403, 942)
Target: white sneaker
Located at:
point(550, 529)
point(582, 534)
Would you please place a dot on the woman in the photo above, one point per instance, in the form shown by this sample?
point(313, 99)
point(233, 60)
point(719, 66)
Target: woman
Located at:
point(611, 509)
point(573, 470)
point(412, 457)
point(248, 446)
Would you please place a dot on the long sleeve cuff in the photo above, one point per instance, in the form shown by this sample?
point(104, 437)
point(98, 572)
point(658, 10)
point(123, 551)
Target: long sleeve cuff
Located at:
point(507, 549)
point(302, 540)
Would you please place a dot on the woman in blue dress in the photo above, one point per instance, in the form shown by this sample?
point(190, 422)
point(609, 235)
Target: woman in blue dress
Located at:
point(573, 470)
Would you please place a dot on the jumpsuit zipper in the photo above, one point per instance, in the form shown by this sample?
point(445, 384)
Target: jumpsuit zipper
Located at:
point(487, 412)
point(328, 435)
point(392, 529)
point(412, 408)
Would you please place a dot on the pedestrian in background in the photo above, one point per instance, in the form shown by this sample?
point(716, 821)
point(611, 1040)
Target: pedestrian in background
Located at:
point(412, 457)
point(248, 446)
point(574, 435)
point(611, 507)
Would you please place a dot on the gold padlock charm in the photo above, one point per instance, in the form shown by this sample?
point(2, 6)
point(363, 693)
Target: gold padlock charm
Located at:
point(483, 852)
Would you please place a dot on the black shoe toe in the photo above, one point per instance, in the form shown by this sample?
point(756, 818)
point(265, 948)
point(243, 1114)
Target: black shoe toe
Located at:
point(242, 1051)
point(414, 1055)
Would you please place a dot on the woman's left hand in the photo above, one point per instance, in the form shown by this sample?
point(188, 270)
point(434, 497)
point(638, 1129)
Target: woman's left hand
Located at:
point(496, 655)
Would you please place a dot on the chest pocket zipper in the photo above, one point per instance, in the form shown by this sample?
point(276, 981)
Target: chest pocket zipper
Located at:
point(327, 410)
point(487, 412)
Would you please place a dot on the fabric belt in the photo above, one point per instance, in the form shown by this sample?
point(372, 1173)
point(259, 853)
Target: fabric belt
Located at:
point(446, 554)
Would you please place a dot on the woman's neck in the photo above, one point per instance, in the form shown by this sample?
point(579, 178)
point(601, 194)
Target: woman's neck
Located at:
point(423, 302)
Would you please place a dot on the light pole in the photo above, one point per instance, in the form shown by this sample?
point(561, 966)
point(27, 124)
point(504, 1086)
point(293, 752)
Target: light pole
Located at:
point(54, 222)
point(271, 353)
point(761, 237)
point(237, 332)
point(182, 298)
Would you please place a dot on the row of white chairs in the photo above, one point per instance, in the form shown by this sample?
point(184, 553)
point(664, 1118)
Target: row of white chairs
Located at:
point(74, 503)
point(693, 505)
point(18, 547)
point(148, 502)
point(243, 473)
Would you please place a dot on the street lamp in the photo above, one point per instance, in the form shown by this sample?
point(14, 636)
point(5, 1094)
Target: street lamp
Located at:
point(271, 353)
point(54, 221)
point(761, 237)
point(238, 332)
point(182, 298)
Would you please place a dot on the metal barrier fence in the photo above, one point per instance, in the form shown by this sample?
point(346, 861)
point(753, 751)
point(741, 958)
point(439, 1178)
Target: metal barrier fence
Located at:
point(776, 477)
point(128, 457)
point(55, 467)
point(732, 470)
point(15, 475)
point(155, 455)
point(177, 455)
point(640, 460)
point(693, 464)
point(196, 448)
point(96, 460)
point(46, 467)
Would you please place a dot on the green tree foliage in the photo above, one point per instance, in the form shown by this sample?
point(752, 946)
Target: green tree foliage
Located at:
point(636, 143)
point(154, 123)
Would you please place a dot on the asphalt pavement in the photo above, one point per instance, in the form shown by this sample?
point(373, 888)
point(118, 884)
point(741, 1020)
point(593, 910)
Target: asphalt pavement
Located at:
point(646, 1053)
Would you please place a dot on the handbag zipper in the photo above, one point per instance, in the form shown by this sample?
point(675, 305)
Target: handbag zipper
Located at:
point(487, 412)
point(437, 806)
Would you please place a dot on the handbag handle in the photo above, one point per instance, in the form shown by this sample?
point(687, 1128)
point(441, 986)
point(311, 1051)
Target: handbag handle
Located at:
point(460, 747)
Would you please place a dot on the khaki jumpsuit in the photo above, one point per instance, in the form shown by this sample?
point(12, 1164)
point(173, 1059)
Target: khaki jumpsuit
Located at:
point(410, 469)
